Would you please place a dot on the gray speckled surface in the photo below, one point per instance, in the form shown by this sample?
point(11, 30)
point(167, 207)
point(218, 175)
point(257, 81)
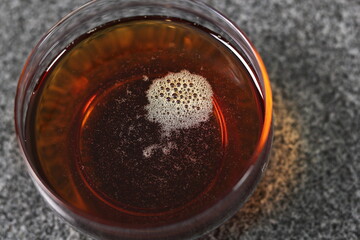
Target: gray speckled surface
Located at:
point(311, 189)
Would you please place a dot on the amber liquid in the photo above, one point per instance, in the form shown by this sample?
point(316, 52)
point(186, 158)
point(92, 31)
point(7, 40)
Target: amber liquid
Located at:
point(88, 126)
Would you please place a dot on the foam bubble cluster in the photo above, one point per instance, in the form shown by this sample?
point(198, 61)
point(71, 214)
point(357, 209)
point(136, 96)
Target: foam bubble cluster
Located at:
point(179, 100)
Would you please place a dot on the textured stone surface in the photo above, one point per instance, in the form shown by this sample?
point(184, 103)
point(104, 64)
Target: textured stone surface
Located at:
point(311, 189)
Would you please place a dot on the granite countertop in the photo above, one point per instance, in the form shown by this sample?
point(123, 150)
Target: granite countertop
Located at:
point(311, 189)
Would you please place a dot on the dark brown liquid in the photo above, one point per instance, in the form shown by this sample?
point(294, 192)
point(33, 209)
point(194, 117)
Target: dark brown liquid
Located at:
point(88, 119)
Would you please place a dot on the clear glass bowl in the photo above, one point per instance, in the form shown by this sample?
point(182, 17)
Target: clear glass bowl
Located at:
point(96, 13)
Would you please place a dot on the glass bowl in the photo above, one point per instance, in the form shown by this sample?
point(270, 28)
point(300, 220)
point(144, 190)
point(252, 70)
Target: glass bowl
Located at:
point(95, 14)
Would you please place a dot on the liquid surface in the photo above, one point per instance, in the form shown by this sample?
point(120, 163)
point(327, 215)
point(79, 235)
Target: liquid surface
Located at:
point(144, 122)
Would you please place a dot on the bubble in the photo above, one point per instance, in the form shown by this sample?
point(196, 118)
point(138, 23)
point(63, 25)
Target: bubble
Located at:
point(148, 151)
point(145, 78)
point(195, 106)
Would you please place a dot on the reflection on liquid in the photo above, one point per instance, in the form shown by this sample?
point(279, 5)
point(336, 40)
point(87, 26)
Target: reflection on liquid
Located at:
point(280, 181)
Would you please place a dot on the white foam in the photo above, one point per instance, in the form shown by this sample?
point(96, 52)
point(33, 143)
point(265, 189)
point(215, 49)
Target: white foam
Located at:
point(179, 101)
point(165, 148)
point(148, 151)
